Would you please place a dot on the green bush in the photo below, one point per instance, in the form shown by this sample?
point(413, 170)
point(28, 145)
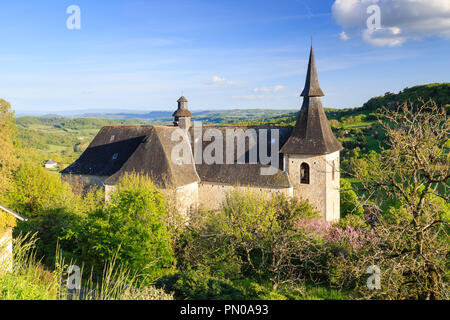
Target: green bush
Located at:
point(50, 229)
point(253, 236)
point(197, 285)
point(349, 200)
point(204, 246)
point(6, 221)
point(132, 223)
point(36, 190)
point(147, 293)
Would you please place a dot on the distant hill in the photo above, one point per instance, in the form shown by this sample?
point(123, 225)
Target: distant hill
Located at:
point(126, 115)
point(357, 128)
point(439, 92)
point(211, 117)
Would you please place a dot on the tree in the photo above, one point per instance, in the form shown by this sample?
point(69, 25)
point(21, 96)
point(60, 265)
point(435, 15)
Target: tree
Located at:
point(8, 156)
point(35, 191)
point(349, 200)
point(131, 225)
point(254, 234)
point(412, 252)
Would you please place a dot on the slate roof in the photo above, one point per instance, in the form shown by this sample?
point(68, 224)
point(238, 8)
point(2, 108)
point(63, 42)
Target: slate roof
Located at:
point(247, 174)
point(312, 87)
point(153, 157)
point(312, 132)
point(98, 160)
point(142, 149)
point(147, 150)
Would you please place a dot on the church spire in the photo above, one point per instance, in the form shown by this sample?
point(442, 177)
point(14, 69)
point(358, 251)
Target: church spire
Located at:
point(312, 87)
point(312, 133)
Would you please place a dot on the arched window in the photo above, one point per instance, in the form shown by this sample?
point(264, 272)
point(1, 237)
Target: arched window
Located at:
point(304, 173)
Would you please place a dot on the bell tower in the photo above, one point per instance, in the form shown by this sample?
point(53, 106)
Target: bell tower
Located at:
point(182, 117)
point(311, 154)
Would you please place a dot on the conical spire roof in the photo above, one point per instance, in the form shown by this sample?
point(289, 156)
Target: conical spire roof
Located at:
point(312, 133)
point(312, 87)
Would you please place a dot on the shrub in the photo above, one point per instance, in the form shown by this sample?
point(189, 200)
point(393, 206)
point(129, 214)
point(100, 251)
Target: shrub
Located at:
point(147, 293)
point(6, 221)
point(132, 223)
point(8, 155)
point(36, 190)
point(349, 200)
point(253, 236)
point(50, 228)
point(197, 285)
point(204, 246)
point(323, 247)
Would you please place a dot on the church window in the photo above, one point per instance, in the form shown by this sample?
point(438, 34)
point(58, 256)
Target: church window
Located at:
point(115, 156)
point(304, 173)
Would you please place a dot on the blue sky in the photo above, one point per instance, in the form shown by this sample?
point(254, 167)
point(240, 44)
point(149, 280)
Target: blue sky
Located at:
point(142, 55)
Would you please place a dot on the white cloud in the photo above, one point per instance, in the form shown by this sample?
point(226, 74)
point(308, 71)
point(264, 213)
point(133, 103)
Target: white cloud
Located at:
point(343, 36)
point(271, 89)
point(220, 81)
point(384, 37)
point(401, 20)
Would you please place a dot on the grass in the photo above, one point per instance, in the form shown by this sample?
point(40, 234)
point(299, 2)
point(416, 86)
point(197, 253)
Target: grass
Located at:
point(55, 148)
point(28, 279)
point(356, 125)
point(314, 292)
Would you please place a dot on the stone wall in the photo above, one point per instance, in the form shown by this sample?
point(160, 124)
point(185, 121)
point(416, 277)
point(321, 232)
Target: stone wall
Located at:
point(333, 197)
point(85, 180)
point(322, 190)
point(212, 195)
point(184, 198)
point(108, 190)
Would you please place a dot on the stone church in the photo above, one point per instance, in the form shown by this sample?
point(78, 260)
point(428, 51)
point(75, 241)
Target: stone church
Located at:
point(307, 166)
